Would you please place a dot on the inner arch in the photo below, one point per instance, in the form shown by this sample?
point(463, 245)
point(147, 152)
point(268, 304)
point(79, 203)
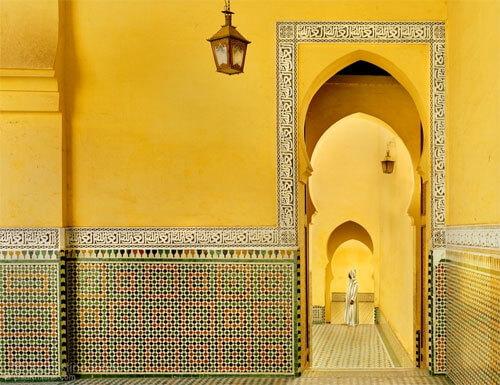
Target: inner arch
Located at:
point(345, 232)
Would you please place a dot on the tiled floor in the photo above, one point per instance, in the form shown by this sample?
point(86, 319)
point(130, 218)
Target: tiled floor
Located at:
point(344, 347)
point(374, 377)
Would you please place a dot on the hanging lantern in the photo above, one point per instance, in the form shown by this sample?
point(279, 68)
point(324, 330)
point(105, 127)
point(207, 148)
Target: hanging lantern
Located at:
point(229, 46)
point(388, 164)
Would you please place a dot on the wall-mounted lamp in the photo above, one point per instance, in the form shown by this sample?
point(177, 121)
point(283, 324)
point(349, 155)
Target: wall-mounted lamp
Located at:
point(388, 163)
point(229, 47)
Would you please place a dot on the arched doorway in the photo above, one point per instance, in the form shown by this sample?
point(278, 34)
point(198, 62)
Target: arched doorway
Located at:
point(349, 245)
point(347, 185)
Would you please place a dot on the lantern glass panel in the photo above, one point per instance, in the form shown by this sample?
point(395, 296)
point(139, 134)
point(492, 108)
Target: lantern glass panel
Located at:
point(220, 51)
point(387, 166)
point(238, 54)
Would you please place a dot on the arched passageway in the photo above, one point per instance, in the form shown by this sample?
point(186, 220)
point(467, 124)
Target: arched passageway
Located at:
point(352, 204)
point(348, 241)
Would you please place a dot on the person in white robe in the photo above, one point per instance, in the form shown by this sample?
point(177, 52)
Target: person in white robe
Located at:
point(351, 316)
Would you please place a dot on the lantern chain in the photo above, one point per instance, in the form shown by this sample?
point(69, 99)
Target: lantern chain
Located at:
point(227, 4)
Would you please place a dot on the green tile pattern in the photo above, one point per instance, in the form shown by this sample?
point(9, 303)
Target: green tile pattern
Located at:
point(30, 320)
point(318, 314)
point(473, 320)
point(187, 317)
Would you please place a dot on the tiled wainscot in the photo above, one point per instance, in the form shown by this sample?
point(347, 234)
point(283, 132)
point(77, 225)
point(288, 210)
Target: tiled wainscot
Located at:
point(179, 312)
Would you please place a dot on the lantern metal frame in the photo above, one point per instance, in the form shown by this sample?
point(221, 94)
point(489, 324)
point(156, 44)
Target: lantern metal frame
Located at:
point(229, 39)
point(388, 163)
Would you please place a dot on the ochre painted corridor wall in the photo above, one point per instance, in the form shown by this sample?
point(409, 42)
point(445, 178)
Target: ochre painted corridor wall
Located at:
point(349, 254)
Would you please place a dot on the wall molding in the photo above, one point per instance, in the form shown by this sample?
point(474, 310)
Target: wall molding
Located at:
point(171, 237)
point(31, 238)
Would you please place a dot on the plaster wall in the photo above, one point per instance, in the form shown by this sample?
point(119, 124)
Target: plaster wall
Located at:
point(473, 41)
point(138, 155)
point(31, 169)
point(473, 139)
point(29, 32)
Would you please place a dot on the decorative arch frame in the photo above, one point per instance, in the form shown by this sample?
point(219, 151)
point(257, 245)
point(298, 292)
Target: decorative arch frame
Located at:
point(289, 36)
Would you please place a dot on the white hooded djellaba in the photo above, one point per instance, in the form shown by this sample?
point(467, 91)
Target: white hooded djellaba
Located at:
point(351, 316)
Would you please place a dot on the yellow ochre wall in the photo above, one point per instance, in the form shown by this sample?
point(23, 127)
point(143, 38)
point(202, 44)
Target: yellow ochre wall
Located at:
point(31, 129)
point(473, 44)
point(155, 135)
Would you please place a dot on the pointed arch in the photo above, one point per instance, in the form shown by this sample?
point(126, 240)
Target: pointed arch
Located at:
point(370, 57)
point(345, 232)
point(413, 207)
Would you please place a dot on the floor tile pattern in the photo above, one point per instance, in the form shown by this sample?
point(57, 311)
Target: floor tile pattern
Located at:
point(340, 346)
point(181, 317)
point(473, 324)
point(29, 319)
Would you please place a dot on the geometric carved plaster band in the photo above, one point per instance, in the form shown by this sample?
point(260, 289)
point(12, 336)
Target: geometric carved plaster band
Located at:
point(474, 237)
point(488, 263)
point(171, 237)
point(39, 238)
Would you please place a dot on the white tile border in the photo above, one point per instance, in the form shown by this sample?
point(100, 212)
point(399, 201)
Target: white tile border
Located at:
point(474, 237)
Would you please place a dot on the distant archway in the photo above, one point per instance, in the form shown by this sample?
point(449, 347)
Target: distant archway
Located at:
point(346, 231)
